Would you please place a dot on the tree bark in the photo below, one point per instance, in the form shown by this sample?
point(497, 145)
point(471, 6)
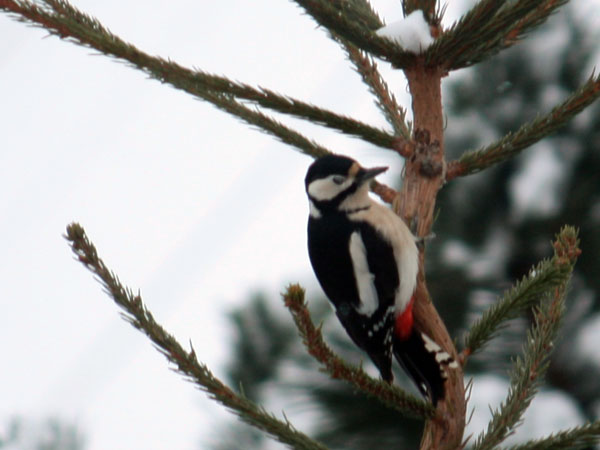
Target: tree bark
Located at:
point(424, 176)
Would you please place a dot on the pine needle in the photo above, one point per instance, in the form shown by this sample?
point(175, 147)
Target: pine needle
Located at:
point(489, 27)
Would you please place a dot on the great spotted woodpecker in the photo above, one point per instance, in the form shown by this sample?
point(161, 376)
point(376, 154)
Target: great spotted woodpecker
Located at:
point(366, 261)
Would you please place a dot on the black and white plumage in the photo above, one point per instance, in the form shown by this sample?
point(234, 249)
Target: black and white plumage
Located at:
point(366, 261)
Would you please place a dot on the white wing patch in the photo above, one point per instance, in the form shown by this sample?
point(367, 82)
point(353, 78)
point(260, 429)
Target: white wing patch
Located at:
point(441, 357)
point(325, 189)
point(364, 279)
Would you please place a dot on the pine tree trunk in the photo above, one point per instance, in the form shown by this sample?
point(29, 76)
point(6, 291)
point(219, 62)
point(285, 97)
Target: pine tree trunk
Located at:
point(424, 176)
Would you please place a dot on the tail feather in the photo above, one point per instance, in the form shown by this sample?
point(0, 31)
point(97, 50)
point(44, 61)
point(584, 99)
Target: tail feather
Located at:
point(425, 362)
point(383, 362)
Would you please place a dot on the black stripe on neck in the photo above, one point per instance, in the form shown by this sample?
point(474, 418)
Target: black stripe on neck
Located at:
point(355, 210)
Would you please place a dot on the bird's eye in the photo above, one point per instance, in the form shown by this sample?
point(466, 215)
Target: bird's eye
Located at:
point(338, 179)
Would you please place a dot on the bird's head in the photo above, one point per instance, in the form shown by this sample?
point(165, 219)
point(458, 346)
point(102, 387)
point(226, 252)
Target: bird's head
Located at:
point(334, 180)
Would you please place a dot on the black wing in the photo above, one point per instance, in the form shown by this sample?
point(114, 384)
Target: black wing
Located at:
point(331, 260)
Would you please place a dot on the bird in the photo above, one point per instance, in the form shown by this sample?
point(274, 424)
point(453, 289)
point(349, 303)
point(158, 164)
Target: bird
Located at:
point(366, 261)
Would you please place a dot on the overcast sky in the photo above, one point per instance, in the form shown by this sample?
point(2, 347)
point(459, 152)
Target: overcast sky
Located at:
point(188, 205)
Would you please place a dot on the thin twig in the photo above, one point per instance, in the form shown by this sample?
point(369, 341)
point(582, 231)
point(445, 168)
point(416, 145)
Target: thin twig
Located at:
point(385, 99)
point(385, 193)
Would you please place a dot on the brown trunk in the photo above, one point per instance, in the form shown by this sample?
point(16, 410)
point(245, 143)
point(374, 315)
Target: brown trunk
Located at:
point(424, 176)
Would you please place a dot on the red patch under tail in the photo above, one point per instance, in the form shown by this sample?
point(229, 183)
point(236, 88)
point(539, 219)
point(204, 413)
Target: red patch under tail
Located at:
point(404, 322)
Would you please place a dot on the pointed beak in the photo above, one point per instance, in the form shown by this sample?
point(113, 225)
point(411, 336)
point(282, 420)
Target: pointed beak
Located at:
point(365, 175)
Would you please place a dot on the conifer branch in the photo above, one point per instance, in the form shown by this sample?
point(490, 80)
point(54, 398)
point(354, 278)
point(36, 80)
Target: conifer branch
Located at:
point(362, 11)
point(385, 99)
point(581, 437)
point(525, 294)
point(545, 277)
point(268, 124)
point(67, 22)
point(489, 27)
point(303, 110)
point(530, 133)
point(388, 394)
point(462, 33)
point(527, 372)
point(355, 24)
point(535, 18)
point(186, 363)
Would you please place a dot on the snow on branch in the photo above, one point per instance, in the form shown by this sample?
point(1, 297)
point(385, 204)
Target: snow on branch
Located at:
point(411, 33)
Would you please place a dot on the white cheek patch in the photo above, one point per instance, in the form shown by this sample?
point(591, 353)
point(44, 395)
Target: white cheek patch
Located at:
point(326, 189)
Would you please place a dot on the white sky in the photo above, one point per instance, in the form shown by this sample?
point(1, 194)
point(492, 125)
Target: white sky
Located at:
point(182, 201)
